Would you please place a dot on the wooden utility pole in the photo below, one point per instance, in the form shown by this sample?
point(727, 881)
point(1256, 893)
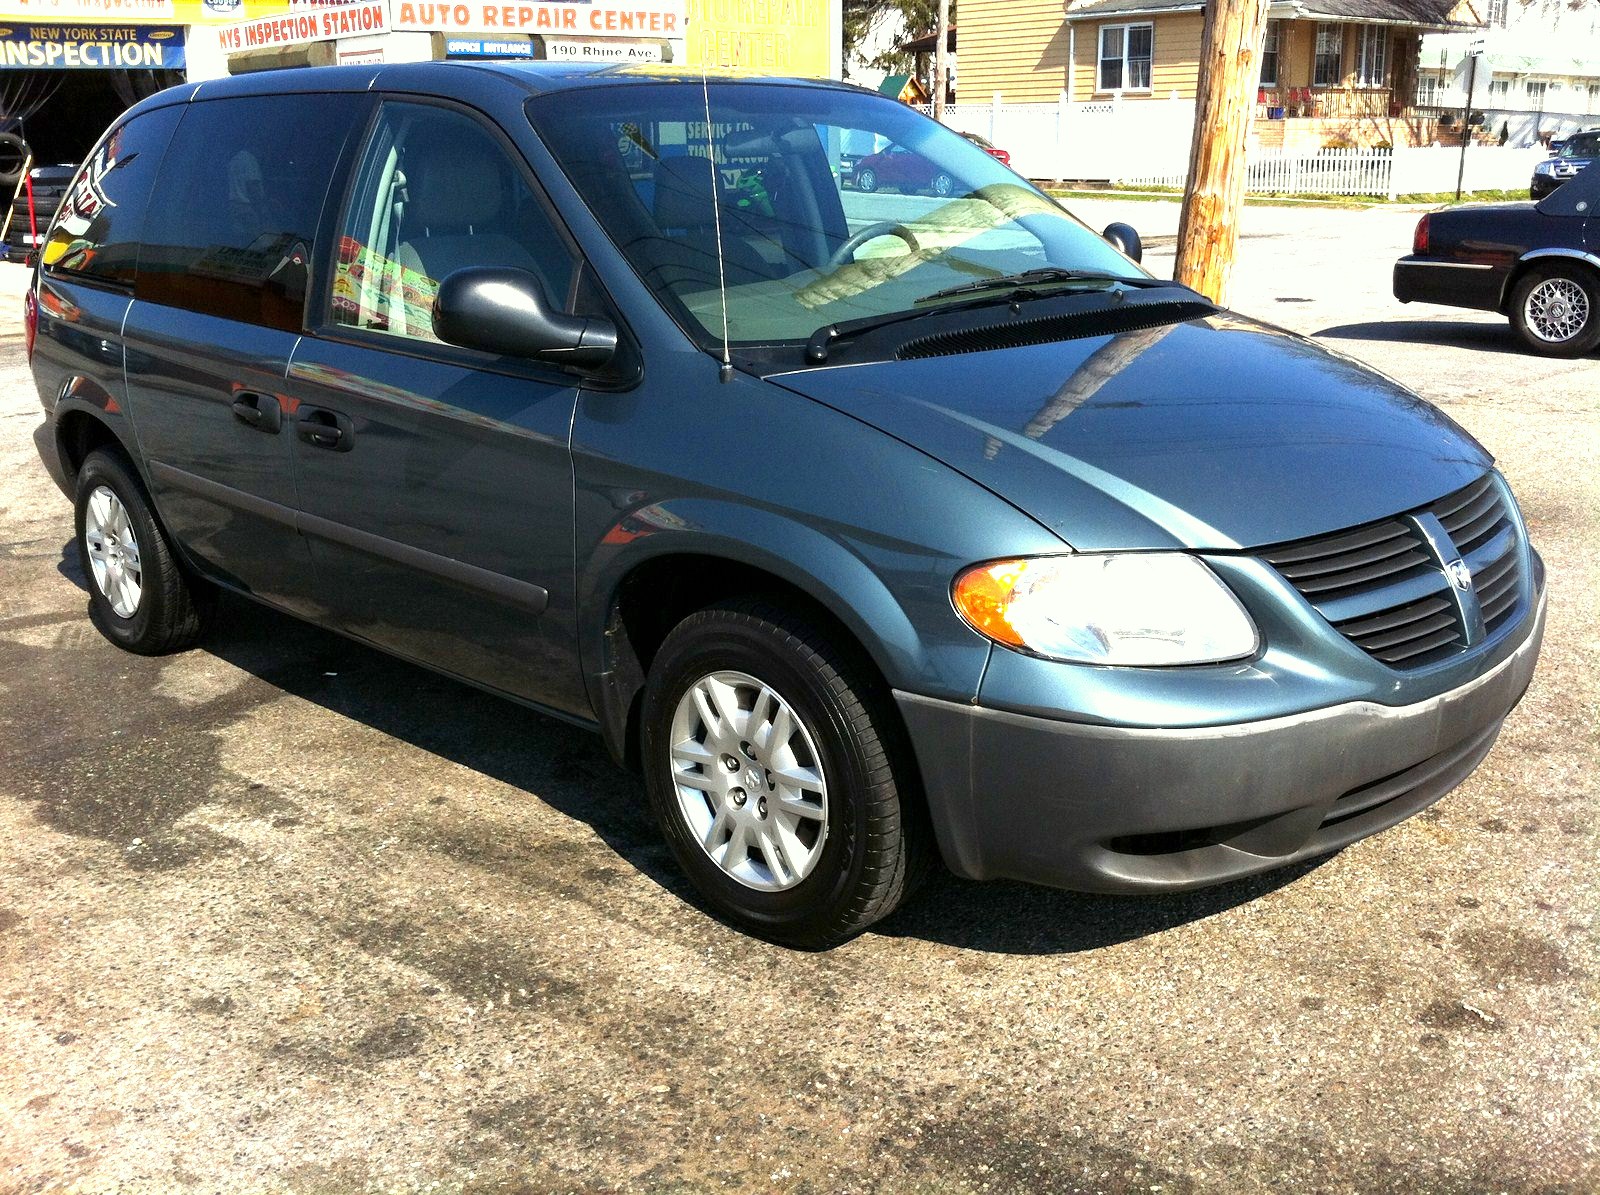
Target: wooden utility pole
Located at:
point(941, 60)
point(1230, 71)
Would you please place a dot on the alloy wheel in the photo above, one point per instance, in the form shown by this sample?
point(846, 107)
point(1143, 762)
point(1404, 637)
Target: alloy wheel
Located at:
point(113, 551)
point(749, 782)
point(1556, 310)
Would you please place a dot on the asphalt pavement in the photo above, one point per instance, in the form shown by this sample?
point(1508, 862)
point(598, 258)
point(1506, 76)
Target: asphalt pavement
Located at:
point(282, 914)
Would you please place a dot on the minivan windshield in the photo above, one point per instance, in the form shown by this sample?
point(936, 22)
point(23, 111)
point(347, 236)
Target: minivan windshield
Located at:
point(833, 205)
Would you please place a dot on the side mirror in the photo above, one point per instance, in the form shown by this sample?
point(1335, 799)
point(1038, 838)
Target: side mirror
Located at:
point(504, 311)
point(1124, 238)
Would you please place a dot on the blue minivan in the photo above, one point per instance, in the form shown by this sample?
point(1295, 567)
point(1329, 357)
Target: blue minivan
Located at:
point(871, 528)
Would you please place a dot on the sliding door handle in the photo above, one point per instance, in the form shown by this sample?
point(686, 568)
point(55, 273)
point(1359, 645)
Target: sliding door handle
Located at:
point(323, 428)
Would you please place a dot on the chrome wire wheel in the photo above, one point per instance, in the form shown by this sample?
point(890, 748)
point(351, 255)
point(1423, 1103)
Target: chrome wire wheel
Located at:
point(749, 781)
point(1556, 310)
point(113, 551)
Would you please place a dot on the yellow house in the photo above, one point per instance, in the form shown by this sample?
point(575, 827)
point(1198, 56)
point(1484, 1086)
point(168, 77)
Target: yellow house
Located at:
point(1329, 68)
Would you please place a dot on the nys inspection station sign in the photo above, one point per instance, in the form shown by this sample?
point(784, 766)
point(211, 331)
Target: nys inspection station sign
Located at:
point(29, 46)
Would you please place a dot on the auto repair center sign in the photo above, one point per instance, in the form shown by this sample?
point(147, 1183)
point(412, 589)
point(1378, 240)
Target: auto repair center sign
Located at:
point(602, 18)
point(90, 47)
point(295, 28)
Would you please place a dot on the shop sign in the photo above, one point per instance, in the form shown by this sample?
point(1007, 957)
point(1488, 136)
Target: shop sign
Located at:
point(610, 49)
point(365, 57)
point(89, 10)
point(603, 18)
point(166, 12)
point(776, 37)
point(90, 47)
point(478, 47)
point(295, 28)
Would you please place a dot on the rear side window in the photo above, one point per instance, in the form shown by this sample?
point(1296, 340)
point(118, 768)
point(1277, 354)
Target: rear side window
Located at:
point(236, 209)
point(96, 233)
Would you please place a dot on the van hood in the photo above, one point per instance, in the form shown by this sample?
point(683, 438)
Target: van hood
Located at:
point(1220, 433)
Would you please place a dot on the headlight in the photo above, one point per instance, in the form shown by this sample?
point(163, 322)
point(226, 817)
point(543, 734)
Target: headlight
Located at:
point(1150, 609)
point(1545, 168)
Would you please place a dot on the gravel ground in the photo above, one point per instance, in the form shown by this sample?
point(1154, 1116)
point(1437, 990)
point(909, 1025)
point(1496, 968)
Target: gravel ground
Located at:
point(281, 914)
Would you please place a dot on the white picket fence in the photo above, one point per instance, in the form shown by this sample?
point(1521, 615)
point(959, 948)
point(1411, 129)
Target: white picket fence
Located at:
point(1380, 173)
point(1146, 143)
point(1327, 172)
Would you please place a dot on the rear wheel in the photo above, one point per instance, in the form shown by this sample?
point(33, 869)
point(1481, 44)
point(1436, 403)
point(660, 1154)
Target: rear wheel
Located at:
point(138, 596)
point(1555, 310)
point(772, 765)
point(942, 184)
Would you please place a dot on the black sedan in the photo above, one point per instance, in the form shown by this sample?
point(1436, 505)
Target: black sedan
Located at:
point(1575, 153)
point(1538, 263)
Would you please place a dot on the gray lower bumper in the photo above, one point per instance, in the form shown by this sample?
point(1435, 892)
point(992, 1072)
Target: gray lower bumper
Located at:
point(1111, 809)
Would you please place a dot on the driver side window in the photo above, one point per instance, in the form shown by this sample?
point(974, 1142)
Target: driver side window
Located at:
point(435, 192)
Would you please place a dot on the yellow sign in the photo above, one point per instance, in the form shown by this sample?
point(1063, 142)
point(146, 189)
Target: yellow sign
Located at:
point(773, 37)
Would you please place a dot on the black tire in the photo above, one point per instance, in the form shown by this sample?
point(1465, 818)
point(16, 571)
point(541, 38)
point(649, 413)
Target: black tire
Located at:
point(867, 180)
point(13, 153)
point(1581, 285)
point(877, 842)
point(170, 612)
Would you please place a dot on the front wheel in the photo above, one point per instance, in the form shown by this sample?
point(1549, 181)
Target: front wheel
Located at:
point(867, 180)
point(1555, 310)
point(773, 766)
point(942, 184)
point(138, 596)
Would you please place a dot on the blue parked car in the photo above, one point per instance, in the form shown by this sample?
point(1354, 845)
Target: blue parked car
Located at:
point(868, 528)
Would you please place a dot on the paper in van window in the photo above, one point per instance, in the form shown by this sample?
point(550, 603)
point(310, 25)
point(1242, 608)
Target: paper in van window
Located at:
point(376, 292)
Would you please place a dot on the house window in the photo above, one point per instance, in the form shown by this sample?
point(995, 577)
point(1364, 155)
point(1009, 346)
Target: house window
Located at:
point(1269, 56)
point(1125, 53)
point(1499, 90)
point(1428, 89)
point(1594, 96)
point(1327, 69)
point(1497, 13)
point(1536, 89)
point(1372, 56)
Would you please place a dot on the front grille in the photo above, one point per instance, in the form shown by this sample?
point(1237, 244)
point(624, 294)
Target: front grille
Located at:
point(1384, 587)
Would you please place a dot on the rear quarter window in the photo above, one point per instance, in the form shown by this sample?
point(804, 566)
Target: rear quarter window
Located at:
point(235, 211)
point(97, 229)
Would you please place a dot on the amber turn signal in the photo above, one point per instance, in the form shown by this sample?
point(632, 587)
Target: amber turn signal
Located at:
point(982, 595)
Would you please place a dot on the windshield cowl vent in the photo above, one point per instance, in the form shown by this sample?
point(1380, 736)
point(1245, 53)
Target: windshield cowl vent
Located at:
point(1050, 328)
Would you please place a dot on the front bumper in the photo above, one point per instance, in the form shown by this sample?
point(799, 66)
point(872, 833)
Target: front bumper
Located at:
point(1542, 185)
point(1116, 809)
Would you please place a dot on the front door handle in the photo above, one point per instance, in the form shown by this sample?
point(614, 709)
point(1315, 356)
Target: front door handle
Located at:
point(323, 428)
point(260, 411)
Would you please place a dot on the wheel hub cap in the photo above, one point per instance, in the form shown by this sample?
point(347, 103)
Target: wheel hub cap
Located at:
point(749, 781)
point(113, 552)
point(1557, 310)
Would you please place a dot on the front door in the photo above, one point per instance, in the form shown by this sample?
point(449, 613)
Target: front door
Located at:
point(218, 305)
point(436, 482)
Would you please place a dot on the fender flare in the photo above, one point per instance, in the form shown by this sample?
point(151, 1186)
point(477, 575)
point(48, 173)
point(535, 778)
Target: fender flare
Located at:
point(1534, 255)
point(834, 576)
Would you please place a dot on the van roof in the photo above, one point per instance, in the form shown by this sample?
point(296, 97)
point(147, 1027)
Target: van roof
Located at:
point(450, 77)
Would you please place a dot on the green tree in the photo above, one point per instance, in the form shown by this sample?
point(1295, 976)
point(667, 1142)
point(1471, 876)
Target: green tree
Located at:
point(920, 17)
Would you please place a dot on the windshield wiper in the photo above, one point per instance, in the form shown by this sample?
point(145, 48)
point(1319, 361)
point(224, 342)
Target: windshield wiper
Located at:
point(1044, 275)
